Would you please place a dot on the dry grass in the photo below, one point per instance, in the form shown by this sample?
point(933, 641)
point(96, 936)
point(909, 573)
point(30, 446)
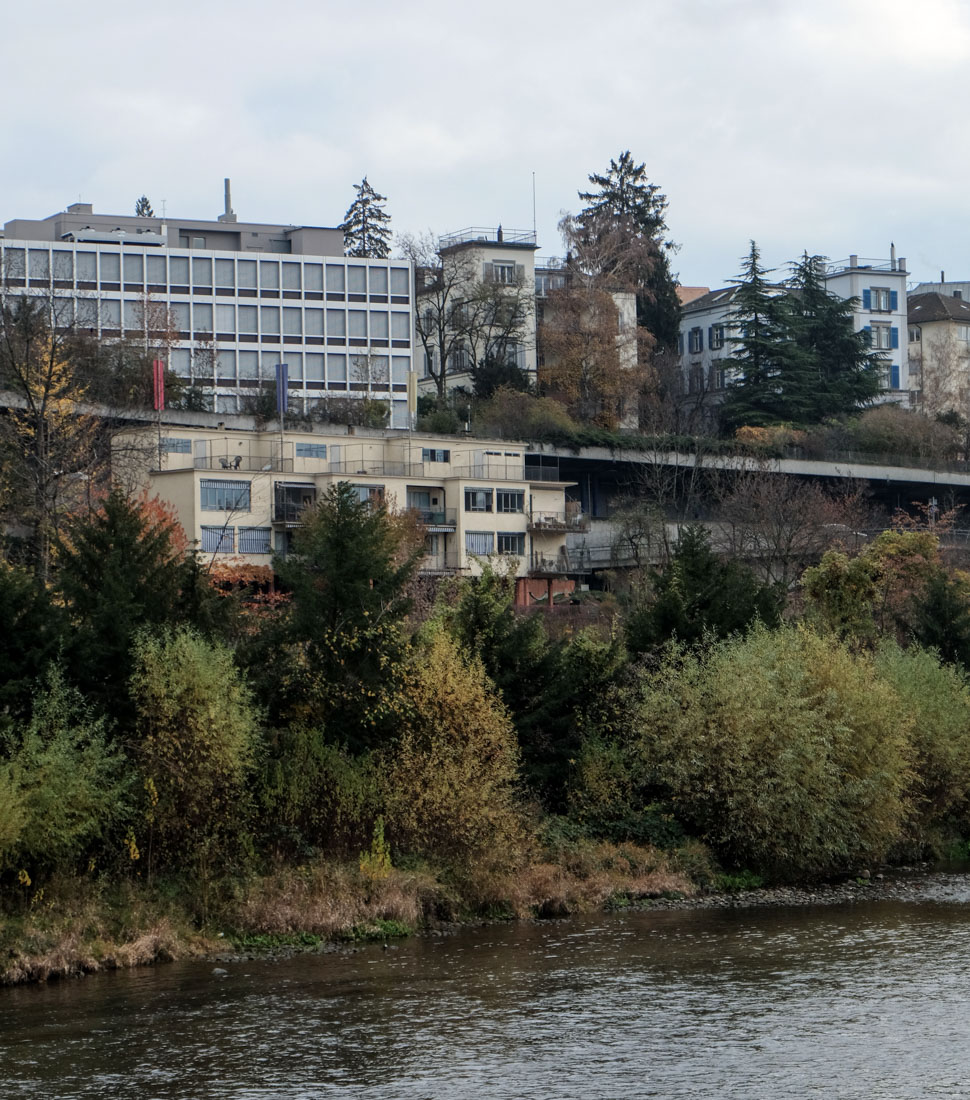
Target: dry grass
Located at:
point(80, 930)
point(328, 900)
point(584, 877)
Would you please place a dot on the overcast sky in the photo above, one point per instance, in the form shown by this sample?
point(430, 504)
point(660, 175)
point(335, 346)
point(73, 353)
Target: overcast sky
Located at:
point(834, 126)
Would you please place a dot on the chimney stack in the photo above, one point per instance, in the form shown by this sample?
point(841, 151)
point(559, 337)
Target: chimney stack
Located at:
point(228, 216)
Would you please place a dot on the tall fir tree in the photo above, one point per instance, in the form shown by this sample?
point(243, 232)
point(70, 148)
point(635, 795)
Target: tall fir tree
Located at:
point(366, 224)
point(797, 356)
point(764, 358)
point(840, 373)
point(143, 208)
point(625, 201)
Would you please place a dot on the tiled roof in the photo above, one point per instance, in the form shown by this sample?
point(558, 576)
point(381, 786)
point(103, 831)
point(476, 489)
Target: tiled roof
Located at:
point(922, 308)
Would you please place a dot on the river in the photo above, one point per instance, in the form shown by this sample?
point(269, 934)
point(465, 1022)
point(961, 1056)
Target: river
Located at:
point(868, 1000)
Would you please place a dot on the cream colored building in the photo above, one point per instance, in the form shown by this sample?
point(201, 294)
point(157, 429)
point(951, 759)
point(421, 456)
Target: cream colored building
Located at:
point(240, 493)
point(939, 352)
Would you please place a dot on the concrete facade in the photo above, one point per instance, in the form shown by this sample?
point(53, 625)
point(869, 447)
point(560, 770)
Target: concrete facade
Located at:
point(236, 298)
point(239, 493)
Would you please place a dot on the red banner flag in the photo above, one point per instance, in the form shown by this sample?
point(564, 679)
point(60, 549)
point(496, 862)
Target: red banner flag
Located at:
point(158, 376)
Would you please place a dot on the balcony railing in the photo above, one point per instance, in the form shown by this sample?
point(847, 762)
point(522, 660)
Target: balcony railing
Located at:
point(555, 522)
point(487, 234)
point(542, 473)
point(448, 562)
point(437, 517)
point(490, 469)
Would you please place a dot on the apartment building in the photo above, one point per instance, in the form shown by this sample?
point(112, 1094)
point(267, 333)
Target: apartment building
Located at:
point(235, 298)
point(939, 350)
point(240, 493)
point(706, 328)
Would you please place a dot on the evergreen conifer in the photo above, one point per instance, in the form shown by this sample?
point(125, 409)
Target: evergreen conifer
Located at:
point(366, 225)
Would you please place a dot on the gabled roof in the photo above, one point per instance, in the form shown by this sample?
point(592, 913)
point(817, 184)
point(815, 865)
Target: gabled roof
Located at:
point(922, 308)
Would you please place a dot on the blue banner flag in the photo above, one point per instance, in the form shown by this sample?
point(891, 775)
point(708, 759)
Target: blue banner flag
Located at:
point(282, 388)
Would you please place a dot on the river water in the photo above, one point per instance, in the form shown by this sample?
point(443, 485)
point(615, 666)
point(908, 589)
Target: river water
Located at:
point(868, 1000)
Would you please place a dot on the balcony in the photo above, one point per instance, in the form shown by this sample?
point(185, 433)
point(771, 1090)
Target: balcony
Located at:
point(248, 456)
point(558, 522)
point(447, 562)
point(289, 503)
point(437, 520)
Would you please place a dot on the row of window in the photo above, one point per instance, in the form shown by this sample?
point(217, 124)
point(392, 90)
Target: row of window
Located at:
point(231, 322)
point(339, 370)
point(202, 273)
point(483, 543)
point(222, 540)
point(505, 500)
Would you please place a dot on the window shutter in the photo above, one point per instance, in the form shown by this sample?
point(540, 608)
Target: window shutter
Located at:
point(894, 337)
point(867, 299)
point(710, 336)
point(893, 300)
point(867, 329)
point(894, 376)
point(520, 273)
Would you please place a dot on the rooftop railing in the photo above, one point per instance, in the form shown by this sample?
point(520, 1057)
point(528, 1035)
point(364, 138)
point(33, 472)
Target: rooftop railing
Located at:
point(489, 235)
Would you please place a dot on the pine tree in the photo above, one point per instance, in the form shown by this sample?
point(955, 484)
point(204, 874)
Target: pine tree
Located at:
point(143, 208)
point(840, 374)
point(366, 225)
point(625, 202)
point(764, 356)
point(797, 356)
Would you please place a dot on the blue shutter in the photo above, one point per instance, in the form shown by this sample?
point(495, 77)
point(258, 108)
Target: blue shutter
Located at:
point(893, 299)
point(867, 299)
point(680, 343)
point(710, 336)
point(894, 337)
point(894, 376)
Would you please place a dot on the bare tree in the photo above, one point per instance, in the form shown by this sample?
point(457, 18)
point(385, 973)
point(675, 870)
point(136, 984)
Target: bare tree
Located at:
point(782, 524)
point(462, 318)
point(593, 356)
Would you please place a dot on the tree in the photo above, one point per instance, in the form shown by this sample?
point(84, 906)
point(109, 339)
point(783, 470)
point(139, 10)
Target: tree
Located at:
point(592, 356)
point(366, 224)
point(624, 203)
point(337, 655)
point(120, 569)
point(797, 358)
point(698, 595)
point(462, 320)
point(451, 776)
point(763, 356)
point(784, 524)
point(841, 374)
point(51, 447)
point(143, 208)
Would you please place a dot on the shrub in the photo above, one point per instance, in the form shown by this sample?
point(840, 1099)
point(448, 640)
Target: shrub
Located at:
point(450, 782)
point(61, 788)
point(935, 701)
point(196, 737)
point(782, 750)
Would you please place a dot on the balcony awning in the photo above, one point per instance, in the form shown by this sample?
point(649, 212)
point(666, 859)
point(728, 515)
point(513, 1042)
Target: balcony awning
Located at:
point(440, 528)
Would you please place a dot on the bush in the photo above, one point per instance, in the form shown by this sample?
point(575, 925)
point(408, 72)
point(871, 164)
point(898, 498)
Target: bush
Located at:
point(196, 738)
point(934, 699)
point(782, 750)
point(450, 782)
point(61, 788)
point(890, 430)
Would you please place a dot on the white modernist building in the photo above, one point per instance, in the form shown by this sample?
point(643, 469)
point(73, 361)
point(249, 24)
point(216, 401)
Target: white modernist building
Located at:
point(879, 286)
point(238, 298)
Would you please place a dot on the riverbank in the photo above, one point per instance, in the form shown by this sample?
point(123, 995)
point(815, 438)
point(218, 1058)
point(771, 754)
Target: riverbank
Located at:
point(77, 928)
